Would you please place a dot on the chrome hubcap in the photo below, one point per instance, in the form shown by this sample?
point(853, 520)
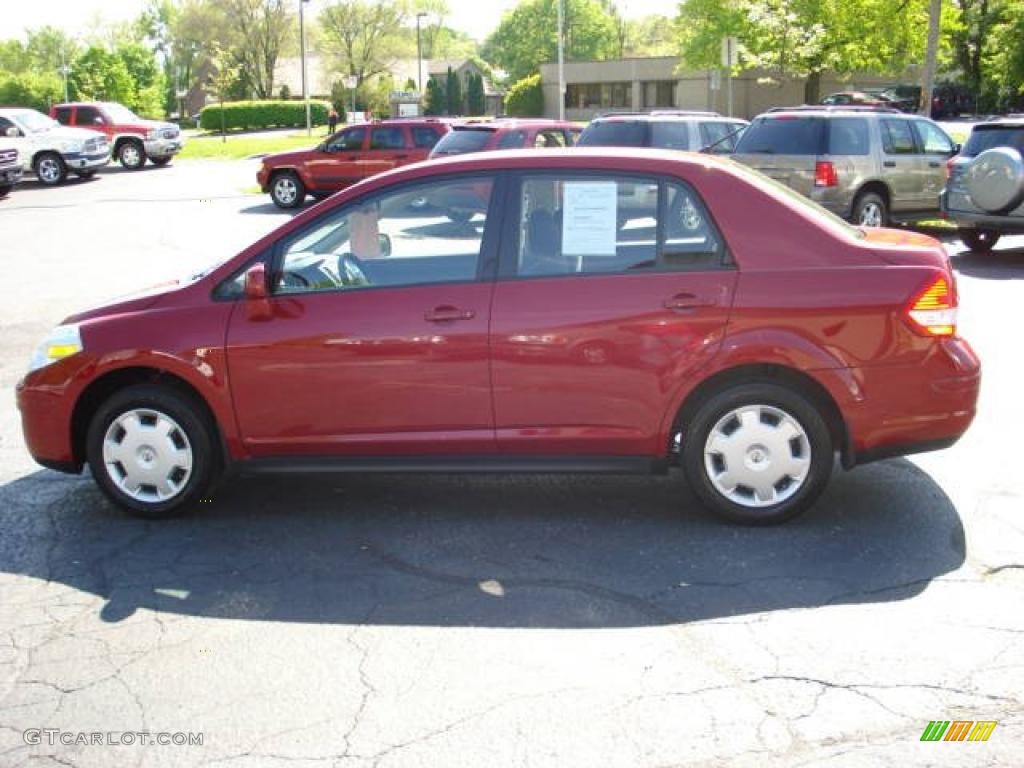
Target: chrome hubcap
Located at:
point(871, 215)
point(49, 170)
point(130, 155)
point(757, 456)
point(285, 190)
point(147, 455)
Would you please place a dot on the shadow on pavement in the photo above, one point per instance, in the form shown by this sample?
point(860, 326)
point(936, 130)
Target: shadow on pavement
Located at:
point(1005, 264)
point(269, 208)
point(543, 551)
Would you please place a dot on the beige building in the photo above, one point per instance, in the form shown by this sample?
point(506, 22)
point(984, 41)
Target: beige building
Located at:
point(638, 85)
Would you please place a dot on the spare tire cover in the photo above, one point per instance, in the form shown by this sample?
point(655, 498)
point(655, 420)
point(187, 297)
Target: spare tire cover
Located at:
point(995, 180)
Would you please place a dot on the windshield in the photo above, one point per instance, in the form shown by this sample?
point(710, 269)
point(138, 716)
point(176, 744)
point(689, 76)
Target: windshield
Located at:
point(120, 114)
point(35, 122)
point(614, 133)
point(983, 139)
point(783, 135)
point(463, 140)
point(781, 192)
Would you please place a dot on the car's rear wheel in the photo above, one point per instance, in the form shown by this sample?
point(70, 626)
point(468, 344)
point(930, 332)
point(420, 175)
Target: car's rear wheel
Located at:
point(50, 169)
point(287, 190)
point(131, 155)
point(870, 210)
point(151, 451)
point(758, 453)
point(160, 161)
point(979, 240)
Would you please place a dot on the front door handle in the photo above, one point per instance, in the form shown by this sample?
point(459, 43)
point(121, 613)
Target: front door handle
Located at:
point(684, 301)
point(889, 163)
point(448, 314)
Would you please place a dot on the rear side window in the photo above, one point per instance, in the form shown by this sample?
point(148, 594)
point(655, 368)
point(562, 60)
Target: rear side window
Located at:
point(89, 116)
point(783, 135)
point(512, 140)
point(63, 115)
point(463, 140)
point(387, 138)
point(848, 136)
point(897, 138)
point(425, 138)
point(614, 133)
point(983, 139)
point(671, 134)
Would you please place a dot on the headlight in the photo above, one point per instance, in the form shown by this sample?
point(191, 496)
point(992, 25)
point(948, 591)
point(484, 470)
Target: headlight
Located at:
point(63, 341)
point(72, 146)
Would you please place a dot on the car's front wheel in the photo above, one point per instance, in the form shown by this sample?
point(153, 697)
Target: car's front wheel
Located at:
point(979, 240)
point(287, 190)
point(50, 169)
point(757, 453)
point(870, 210)
point(131, 155)
point(151, 451)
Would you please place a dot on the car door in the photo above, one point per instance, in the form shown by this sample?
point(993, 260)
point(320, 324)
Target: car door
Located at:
point(93, 119)
point(937, 148)
point(595, 325)
point(339, 163)
point(376, 339)
point(902, 165)
point(389, 148)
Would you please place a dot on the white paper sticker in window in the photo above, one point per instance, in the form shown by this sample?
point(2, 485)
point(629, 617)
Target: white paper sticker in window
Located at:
point(589, 218)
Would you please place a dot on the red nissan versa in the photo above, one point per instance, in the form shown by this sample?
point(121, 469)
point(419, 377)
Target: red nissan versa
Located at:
point(731, 327)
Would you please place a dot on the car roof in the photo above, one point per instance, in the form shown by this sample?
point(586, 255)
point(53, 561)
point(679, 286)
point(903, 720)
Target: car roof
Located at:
point(824, 110)
point(1001, 122)
point(667, 114)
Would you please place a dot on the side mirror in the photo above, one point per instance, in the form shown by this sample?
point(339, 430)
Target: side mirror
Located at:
point(956, 149)
point(13, 133)
point(257, 296)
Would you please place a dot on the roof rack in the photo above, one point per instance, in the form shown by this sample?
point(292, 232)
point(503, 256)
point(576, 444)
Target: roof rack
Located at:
point(836, 108)
point(660, 113)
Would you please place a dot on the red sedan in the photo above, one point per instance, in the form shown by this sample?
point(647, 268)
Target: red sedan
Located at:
point(718, 322)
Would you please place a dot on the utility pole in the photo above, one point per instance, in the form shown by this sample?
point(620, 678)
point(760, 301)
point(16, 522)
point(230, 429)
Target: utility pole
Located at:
point(930, 57)
point(561, 62)
point(65, 70)
point(419, 54)
point(305, 81)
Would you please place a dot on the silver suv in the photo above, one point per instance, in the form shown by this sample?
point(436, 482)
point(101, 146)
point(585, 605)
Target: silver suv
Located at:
point(665, 129)
point(869, 165)
point(985, 192)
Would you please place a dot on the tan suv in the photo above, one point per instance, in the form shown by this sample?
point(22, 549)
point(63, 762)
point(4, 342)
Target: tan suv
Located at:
point(871, 166)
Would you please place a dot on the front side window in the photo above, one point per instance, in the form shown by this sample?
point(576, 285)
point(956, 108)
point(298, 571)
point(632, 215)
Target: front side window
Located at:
point(350, 140)
point(512, 140)
point(608, 225)
point(422, 233)
point(549, 140)
point(387, 138)
point(63, 115)
point(897, 138)
point(89, 116)
point(932, 138)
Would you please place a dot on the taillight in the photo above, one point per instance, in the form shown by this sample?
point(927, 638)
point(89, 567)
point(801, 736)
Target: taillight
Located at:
point(932, 312)
point(825, 174)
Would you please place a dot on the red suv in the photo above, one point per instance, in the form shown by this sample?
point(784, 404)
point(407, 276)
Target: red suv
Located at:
point(377, 334)
point(134, 139)
point(506, 133)
point(351, 155)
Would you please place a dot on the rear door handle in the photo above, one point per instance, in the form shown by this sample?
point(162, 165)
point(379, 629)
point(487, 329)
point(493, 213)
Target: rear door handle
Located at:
point(889, 163)
point(448, 314)
point(685, 301)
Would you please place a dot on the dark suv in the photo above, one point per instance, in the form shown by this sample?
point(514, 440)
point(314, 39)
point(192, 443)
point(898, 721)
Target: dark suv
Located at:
point(868, 165)
point(985, 191)
point(665, 129)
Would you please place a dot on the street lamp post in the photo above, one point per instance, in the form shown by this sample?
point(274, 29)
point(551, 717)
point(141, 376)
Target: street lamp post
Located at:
point(305, 81)
point(419, 53)
point(65, 70)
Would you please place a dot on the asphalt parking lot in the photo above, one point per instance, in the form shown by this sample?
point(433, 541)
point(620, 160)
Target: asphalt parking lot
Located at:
point(462, 621)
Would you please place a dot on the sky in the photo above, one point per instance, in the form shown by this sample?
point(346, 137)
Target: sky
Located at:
point(477, 17)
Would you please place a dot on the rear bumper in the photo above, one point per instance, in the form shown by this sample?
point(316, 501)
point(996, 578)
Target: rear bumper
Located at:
point(974, 219)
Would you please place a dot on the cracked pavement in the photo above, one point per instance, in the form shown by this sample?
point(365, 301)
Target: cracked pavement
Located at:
point(393, 621)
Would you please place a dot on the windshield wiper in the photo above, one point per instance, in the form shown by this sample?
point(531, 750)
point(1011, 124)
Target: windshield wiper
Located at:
point(727, 136)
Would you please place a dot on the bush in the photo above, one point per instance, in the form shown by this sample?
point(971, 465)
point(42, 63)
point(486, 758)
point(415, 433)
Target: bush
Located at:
point(525, 98)
point(30, 90)
point(245, 115)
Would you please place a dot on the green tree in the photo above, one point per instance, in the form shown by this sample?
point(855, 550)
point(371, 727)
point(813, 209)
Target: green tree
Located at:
point(476, 103)
point(525, 98)
point(453, 93)
point(29, 89)
point(263, 27)
point(435, 101)
point(528, 35)
point(101, 76)
point(148, 82)
point(222, 80)
point(364, 35)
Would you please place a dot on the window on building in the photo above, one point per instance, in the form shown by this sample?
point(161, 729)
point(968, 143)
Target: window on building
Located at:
point(658, 93)
point(599, 96)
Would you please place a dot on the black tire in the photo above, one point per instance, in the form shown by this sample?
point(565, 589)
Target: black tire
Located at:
point(5, 189)
point(160, 161)
point(50, 169)
point(870, 206)
point(196, 432)
point(979, 240)
point(131, 154)
point(287, 190)
point(791, 403)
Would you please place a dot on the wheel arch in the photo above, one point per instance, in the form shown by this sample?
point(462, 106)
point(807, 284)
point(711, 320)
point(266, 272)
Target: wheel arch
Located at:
point(121, 139)
point(103, 387)
point(877, 186)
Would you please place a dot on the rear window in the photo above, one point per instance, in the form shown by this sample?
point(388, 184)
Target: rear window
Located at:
point(463, 140)
point(671, 134)
point(783, 135)
point(614, 133)
point(848, 136)
point(983, 139)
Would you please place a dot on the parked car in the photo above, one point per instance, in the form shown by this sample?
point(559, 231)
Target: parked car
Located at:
point(49, 149)
point(984, 195)
point(870, 166)
point(505, 133)
point(374, 334)
point(134, 139)
point(952, 100)
point(665, 129)
point(350, 155)
point(856, 99)
point(905, 98)
point(10, 167)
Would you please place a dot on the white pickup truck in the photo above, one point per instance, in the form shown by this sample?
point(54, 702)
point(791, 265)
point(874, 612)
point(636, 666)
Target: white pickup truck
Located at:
point(51, 150)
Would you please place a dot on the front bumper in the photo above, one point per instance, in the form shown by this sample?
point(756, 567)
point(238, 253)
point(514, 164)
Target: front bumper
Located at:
point(10, 176)
point(80, 161)
point(46, 401)
point(161, 148)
